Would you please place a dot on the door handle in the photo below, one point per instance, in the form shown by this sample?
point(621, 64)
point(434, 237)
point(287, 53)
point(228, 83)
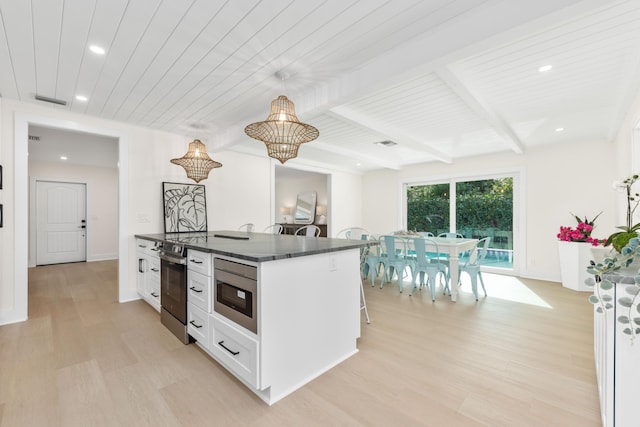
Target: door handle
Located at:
point(82, 226)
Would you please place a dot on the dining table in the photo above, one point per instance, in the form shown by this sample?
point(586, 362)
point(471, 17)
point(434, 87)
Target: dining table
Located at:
point(453, 247)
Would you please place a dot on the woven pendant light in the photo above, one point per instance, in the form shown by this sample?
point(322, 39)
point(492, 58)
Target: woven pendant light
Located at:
point(282, 132)
point(196, 161)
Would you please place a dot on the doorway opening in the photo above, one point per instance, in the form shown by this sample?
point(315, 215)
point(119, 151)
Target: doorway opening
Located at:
point(21, 200)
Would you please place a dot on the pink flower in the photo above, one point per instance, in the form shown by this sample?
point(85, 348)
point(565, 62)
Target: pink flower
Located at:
point(582, 233)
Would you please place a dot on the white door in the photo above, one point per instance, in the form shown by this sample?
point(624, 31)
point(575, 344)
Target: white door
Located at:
point(60, 222)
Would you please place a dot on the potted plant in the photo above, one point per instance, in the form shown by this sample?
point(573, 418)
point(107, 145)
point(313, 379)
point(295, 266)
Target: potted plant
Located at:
point(627, 244)
point(621, 238)
point(603, 273)
point(582, 232)
point(574, 252)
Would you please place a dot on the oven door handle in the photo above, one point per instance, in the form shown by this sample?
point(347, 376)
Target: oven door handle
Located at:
point(173, 259)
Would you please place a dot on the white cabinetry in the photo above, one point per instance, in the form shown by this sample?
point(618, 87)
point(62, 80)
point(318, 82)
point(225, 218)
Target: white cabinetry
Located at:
point(617, 368)
point(148, 271)
point(235, 349)
point(308, 313)
point(199, 294)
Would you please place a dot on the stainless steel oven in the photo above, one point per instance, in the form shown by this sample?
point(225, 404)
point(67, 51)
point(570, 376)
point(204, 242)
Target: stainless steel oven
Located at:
point(236, 292)
point(173, 290)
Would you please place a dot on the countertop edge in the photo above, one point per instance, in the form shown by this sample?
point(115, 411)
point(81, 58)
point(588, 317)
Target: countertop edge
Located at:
point(346, 245)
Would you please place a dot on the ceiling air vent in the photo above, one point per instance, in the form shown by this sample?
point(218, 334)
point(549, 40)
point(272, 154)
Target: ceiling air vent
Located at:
point(386, 143)
point(51, 100)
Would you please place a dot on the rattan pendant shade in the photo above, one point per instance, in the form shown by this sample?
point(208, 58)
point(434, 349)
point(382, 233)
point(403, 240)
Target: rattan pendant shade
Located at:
point(282, 132)
point(196, 161)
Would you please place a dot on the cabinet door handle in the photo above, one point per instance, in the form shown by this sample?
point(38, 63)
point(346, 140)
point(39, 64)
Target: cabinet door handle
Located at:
point(195, 262)
point(140, 267)
point(142, 246)
point(153, 294)
point(155, 270)
point(221, 344)
point(194, 324)
point(193, 288)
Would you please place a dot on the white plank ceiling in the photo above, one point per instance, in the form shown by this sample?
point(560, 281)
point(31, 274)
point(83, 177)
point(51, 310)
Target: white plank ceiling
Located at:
point(444, 79)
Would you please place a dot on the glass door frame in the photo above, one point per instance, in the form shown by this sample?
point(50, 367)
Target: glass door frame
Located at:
point(519, 186)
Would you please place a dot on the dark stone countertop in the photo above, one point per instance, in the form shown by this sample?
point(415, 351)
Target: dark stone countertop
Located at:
point(256, 247)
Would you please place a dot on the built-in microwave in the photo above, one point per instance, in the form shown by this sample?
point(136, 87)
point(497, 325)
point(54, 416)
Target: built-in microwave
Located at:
point(236, 292)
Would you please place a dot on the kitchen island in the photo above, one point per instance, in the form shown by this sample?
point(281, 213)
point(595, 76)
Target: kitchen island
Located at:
point(307, 300)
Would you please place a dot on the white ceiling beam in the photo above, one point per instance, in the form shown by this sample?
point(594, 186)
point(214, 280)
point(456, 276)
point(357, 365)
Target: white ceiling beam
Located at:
point(301, 160)
point(391, 132)
point(481, 108)
point(357, 156)
point(423, 54)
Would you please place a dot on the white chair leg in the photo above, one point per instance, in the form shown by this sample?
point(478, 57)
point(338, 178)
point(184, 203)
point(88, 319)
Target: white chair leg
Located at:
point(482, 283)
point(413, 284)
point(474, 285)
point(363, 303)
point(432, 286)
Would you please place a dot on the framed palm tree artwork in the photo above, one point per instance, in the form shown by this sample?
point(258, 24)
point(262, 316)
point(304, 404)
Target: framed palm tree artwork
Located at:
point(185, 207)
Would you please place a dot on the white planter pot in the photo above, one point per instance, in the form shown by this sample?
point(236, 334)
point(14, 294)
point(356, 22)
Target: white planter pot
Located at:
point(574, 260)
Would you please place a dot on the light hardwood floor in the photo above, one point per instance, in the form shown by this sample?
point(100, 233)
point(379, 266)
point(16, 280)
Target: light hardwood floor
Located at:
point(83, 359)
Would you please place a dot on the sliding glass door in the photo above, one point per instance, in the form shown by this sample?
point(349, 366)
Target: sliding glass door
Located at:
point(474, 208)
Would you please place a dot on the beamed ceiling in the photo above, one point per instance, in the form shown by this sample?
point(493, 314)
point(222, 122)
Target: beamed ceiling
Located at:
point(442, 79)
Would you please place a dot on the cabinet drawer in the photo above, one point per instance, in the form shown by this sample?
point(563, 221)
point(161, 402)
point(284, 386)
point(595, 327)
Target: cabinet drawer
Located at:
point(199, 290)
point(149, 247)
point(198, 324)
point(236, 350)
point(199, 262)
point(154, 268)
point(153, 294)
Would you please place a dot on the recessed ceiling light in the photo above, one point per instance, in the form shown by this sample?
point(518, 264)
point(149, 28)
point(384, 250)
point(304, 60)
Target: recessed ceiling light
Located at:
point(559, 129)
point(81, 98)
point(96, 49)
point(63, 157)
point(545, 68)
point(358, 164)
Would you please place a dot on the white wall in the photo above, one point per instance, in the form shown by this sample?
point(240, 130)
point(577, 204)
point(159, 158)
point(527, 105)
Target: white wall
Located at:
point(240, 188)
point(558, 180)
point(239, 192)
point(102, 204)
point(345, 209)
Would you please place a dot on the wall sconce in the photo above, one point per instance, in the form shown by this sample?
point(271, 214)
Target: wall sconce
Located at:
point(286, 214)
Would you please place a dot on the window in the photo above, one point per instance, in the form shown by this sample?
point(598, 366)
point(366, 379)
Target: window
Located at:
point(474, 208)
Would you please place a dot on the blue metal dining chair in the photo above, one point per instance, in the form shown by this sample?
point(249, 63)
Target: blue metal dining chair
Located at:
point(396, 260)
point(375, 259)
point(473, 263)
point(424, 264)
point(444, 258)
